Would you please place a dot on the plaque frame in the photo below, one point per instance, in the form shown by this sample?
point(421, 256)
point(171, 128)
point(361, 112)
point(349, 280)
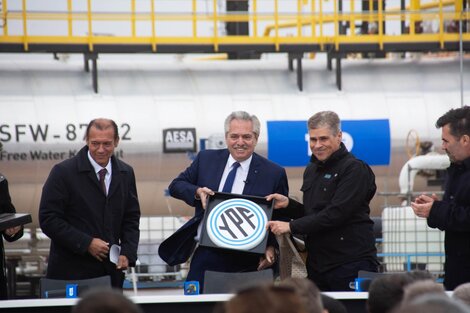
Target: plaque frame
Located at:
point(8, 220)
point(220, 197)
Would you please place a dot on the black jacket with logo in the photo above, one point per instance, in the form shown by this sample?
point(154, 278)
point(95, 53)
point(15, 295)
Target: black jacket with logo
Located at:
point(335, 214)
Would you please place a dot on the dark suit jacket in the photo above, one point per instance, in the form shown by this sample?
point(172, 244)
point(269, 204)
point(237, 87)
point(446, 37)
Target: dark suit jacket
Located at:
point(264, 177)
point(74, 210)
point(5, 207)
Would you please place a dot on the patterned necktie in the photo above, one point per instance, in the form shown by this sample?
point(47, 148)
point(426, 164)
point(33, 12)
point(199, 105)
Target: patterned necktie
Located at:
point(231, 178)
point(102, 174)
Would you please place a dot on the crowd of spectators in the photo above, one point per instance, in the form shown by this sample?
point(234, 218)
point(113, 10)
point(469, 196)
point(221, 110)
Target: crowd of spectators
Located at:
point(409, 292)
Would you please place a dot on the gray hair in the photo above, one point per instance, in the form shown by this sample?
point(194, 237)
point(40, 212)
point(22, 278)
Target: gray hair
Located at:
point(462, 292)
point(244, 116)
point(325, 119)
point(434, 303)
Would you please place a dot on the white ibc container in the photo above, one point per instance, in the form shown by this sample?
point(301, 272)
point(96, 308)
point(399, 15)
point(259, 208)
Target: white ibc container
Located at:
point(408, 239)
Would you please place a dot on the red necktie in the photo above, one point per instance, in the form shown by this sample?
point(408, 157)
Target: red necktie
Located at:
point(102, 174)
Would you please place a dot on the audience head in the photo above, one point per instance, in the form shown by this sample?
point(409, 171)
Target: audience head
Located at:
point(462, 292)
point(420, 275)
point(386, 292)
point(422, 287)
point(308, 292)
point(272, 299)
point(105, 301)
point(433, 303)
point(332, 305)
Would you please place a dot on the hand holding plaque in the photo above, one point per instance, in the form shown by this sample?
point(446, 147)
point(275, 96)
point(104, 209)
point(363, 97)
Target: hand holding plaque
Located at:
point(236, 222)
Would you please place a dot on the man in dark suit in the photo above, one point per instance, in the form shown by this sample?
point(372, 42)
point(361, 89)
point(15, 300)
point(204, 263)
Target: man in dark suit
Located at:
point(88, 204)
point(255, 176)
point(9, 234)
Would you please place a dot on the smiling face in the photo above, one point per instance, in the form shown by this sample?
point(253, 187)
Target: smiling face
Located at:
point(323, 142)
point(240, 139)
point(101, 144)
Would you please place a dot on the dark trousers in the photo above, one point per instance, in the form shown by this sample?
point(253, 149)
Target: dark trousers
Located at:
point(457, 271)
point(339, 278)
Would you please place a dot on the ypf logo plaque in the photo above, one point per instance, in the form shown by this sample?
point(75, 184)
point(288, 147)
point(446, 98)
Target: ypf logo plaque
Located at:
point(237, 223)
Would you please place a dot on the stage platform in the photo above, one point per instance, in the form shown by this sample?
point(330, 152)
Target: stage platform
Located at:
point(354, 302)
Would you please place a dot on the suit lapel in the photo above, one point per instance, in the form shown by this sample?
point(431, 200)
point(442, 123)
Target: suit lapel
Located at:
point(84, 166)
point(115, 178)
point(252, 175)
point(221, 162)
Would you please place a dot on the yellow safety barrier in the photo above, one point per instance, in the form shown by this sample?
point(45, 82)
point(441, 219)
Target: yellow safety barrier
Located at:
point(285, 22)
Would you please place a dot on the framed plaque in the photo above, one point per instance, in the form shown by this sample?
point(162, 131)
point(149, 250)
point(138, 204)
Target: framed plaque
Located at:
point(8, 220)
point(236, 222)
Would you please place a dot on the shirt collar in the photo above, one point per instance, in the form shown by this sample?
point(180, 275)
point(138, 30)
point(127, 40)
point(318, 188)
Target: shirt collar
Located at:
point(98, 167)
point(245, 165)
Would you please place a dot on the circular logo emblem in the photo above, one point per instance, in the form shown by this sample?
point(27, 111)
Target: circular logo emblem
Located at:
point(237, 224)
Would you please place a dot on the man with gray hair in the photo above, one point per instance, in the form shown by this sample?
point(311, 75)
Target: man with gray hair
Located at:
point(334, 216)
point(249, 173)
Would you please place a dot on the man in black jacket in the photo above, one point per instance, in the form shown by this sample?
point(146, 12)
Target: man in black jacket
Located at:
point(10, 234)
point(452, 213)
point(334, 216)
point(89, 203)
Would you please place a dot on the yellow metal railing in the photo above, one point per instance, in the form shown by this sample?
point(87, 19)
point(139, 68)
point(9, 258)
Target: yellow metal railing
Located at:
point(154, 23)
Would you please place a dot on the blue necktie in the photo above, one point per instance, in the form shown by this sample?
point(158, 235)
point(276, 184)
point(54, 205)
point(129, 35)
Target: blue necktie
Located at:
point(231, 178)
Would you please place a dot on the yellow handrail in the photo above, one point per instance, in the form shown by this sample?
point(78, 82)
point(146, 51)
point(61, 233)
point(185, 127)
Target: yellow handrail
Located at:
point(316, 22)
point(25, 26)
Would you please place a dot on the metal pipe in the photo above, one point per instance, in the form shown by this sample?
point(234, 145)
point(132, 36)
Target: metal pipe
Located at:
point(461, 58)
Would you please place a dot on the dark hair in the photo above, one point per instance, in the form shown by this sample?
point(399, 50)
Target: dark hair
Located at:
point(386, 292)
point(308, 292)
point(105, 301)
point(273, 299)
point(458, 120)
point(102, 124)
point(333, 305)
point(433, 303)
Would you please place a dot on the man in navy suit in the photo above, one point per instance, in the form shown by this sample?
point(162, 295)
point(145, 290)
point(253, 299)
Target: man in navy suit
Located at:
point(89, 203)
point(255, 176)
